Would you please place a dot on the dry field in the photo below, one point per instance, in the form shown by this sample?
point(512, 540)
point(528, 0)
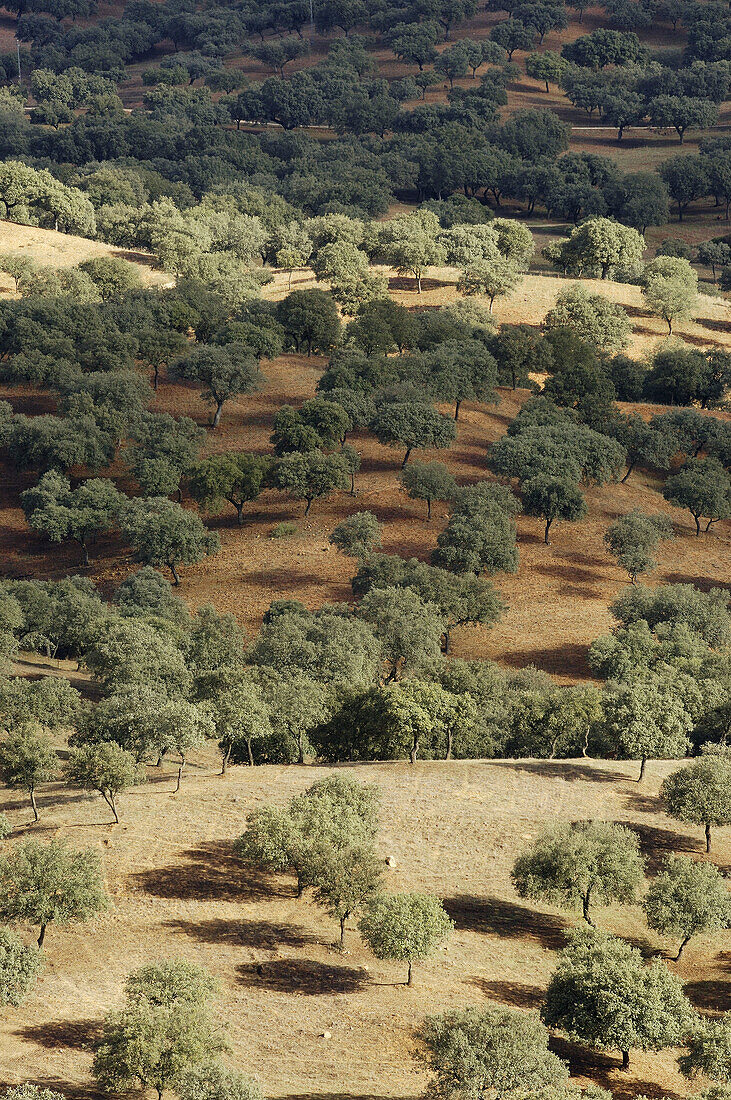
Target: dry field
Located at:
point(453, 830)
point(46, 246)
point(557, 601)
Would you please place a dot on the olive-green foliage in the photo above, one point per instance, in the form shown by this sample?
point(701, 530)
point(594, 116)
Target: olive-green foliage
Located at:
point(634, 538)
point(581, 863)
point(687, 899)
point(700, 793)
point(163, 1031)
point(28, 759)
point(358, 535)
point(105, 768)
point(405, 927)
point(20, 965)
point(475, 1050)
point(40, 883)
point(709, 1051)
point(603, 994)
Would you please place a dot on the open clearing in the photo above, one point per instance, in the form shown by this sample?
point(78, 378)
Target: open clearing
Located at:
point(453, 829)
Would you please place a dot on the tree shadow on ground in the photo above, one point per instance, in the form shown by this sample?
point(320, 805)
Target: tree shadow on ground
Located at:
point(303, 976)
point(657, 844)
point(507, 919)
point(211, 872)
point(57, 1034)
point(516, 994)
point(714, 994)
point(566, 659)
point(262, 934)
point(604, 1068)
point(561, 769)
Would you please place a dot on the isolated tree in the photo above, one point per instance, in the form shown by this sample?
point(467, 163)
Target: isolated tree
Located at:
point(27, 759)
point(235, 476)
point(358, 535)
point(412, 425)
point(163, 533)
point(703, 486)
point(311, 476)
point(223, 370)
point(405, 927)
point(548, 67)
point(215, 1081)
point(633, 539)
point(483, 541)
point(428, 481)
point(310, 320)
point(682, 113)
point(603, 324)
point(709, 1053)
point(553, 498)
point(20, 965)
point(452, 63)
point(581, 863)
point(333, 815)
point(670, 288)
point(347, 882)
point(59, 512)
point(646, 718)
point(494, 278)
point(512, 35)
point(105, 768)
point(476, 1051)
point(42, 883)
point(604, 995)
point(606, 244)
point(687, 899)
point(410, 243)
point(700, 793)
point(163, 1031)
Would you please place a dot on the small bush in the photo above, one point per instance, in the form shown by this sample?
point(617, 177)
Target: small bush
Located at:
point(283, 530)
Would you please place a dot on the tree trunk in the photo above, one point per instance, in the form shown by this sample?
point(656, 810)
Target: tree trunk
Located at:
point(428, 510)
point(630, 468)
point(412, 753)
point(173, 570)
point(456, 409)
point(697, 524)
point(180, 776)
point(217, 415)
point(585, 908)
point(408, 978)
point(625, 1059)
point(406, 457)
point(42, 935)
point(301, 749)
point(708, 836)
point(449, 744)
point(418, 284)
point(680, 949)
point(670, 327)
point(109, 799)
point(239, 514)
point(547, 529)
point(342, 930)
point(248, 749)
point(640, 777)
point(32, 794)
point(225, 757)
point(84, 552)
point(309, 505)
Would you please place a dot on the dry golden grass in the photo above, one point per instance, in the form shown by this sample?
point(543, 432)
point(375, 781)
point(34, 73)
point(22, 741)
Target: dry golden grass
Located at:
point(46, 246)
point(453, 829)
